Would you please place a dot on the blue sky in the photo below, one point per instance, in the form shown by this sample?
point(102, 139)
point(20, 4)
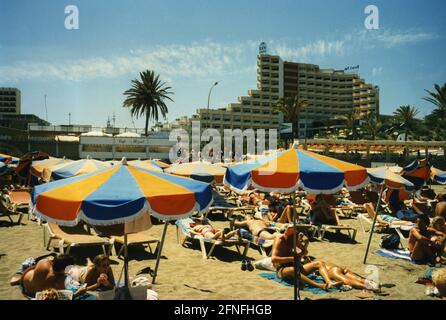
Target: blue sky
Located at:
point(193, 43)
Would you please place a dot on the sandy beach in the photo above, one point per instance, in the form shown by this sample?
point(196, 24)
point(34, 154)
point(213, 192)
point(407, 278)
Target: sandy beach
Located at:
point(183, 274)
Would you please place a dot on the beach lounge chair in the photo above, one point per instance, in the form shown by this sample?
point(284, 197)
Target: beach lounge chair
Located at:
point(366, 220)
point(356, 201)
point(70, 237)
point(322, 229)
point(347, 211)
point(139, 238)
point(15, 203)
point(183, 225)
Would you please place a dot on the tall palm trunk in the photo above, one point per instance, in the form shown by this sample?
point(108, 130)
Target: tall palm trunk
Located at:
point(147, 124)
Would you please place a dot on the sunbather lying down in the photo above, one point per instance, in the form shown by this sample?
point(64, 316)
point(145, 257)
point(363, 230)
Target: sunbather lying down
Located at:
point(333, 275)
point(210, 232)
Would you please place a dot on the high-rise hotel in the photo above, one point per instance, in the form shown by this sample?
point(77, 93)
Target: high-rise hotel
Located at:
point(330, 93)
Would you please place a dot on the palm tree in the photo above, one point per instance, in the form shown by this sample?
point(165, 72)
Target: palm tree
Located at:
point(372, 125)
point(291, 108)
point(438, 99)
point(350, 121)
point(405, 115)
point(147, 96)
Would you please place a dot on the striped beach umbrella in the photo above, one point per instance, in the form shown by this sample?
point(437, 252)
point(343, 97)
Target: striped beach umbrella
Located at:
point(199, 170)
point(144, 165)
point(120, 194)
point(158, 163)
point(38, 167)
point(385, 176)
point(438, 175)
point(5, 158)
point(8, 159)
point(75, 168)
point(288, 170)
point(418, 172)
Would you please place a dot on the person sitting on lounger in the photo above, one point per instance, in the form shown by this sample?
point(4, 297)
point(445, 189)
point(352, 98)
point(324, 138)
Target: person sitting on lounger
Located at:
point(259, 228)
point(425, 244)
point(210, 232)
point(322, 213)
point(268, 212)
point(283, 260)
point(386, 220)
point(99, 275)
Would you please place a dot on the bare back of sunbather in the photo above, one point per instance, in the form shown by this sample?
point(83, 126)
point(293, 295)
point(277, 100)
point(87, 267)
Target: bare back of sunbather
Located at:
point(42, 277)
point(262, 229)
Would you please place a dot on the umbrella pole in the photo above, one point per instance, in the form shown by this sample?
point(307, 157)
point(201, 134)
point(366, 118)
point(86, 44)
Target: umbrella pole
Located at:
point(296, 262)
point(126, 262)
point(373, 224)
point(159, 252)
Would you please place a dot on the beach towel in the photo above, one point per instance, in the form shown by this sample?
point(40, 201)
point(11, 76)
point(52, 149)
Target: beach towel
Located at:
point(395, 254)
point(273, 276)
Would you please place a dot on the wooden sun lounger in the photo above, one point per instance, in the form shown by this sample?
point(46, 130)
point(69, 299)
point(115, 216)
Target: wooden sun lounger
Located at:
point(140, 238)
point(15, 203)
point(321, 230)
point(72, 237)
point(188, 236)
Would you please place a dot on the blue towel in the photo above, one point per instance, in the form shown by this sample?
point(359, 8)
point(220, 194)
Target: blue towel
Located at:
point(273, 276)
point(397, 254)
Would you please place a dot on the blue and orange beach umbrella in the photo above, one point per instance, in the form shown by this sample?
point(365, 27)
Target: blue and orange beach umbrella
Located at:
point(74, 168)
point(8, 159)
point(118, 195)
point(157, 163)
point(288, 170)
point(438, 175)
point(418, 172)
point(145, 165)
point(387, 177)
point(199, 170)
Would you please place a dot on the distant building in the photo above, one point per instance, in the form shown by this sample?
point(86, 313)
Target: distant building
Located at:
point(330, 93)
point(10, 111)
point(10, 101)
point(21, 121)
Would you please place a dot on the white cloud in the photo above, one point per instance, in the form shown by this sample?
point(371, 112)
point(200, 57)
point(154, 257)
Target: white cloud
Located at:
point(200, 60)
point(390, 38)
point(195, 60)
point(311, 50)
point(376, 71)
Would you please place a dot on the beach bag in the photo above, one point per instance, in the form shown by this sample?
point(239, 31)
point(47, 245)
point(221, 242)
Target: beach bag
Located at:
point(390, 241)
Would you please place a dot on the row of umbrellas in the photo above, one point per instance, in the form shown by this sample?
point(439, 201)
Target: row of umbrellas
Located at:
point(123, 193)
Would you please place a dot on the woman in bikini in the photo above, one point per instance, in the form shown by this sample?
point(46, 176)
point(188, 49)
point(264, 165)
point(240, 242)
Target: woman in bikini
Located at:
point(210, 232)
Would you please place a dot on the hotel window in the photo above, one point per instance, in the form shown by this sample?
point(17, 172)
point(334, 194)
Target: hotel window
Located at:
point(97, 148)
point(159, 149)
point(130, 148)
